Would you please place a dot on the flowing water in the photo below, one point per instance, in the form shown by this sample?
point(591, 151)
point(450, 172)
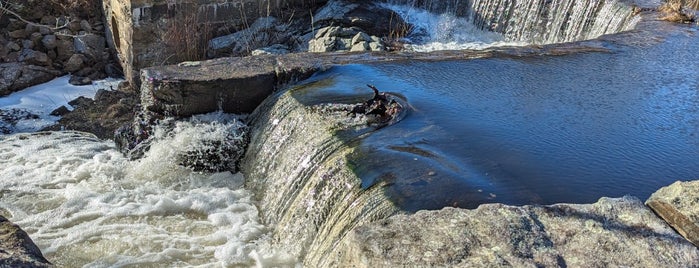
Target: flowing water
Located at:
point(517, 130)
point(83, 203)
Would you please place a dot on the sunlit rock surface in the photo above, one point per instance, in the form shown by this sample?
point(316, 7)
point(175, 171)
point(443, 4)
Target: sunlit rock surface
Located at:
point(610, 233)
point(17, 249)
point(679, 206)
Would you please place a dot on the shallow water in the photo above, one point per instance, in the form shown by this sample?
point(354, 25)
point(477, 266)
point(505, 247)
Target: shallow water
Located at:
point(540, 130)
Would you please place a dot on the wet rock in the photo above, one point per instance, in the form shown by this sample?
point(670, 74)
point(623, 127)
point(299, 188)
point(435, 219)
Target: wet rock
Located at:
point(76, 62)
point(34, 57)
point(101, 116)
point(49, 41)
point(215, 153)
point(613, 232)
point(18, 250)
point(678, 205)
point(10, 117)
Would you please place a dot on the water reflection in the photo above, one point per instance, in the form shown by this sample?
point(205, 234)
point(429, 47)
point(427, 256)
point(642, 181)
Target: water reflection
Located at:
point(569, 128)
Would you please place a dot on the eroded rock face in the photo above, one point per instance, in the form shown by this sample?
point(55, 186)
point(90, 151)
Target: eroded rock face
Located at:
point(678, 204)
point(610, 233)
point(17, 249)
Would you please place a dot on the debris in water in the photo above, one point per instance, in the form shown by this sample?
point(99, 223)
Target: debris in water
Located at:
point(382, 105)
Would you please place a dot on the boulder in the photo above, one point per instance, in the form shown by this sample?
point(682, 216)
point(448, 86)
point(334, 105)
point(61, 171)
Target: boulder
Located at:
point(76, 62)
point(614, 232)
point(91, 45)
point(16, 76)
point(678, 205)
point(17, 249)
point(263, 32)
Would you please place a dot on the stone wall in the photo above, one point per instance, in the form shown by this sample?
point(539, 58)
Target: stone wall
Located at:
point(139, 29)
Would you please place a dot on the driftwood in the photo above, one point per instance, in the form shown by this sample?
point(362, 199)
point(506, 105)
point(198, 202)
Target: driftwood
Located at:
point(381, 105)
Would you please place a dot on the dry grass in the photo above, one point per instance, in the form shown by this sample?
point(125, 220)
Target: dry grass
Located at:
point(186, 37)
point(673, 11)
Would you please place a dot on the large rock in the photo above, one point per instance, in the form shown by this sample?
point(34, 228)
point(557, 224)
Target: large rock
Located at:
point(263, 32)
point(17, 76)
point(17, 249)
point(678, 204)
point(91, 45)
point(614, 232)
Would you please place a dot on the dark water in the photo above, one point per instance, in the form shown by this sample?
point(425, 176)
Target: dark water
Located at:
point(541, 130)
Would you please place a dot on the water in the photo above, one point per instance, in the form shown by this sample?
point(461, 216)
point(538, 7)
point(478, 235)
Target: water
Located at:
point(84, 204)
point(537, 130)
point(481, 24)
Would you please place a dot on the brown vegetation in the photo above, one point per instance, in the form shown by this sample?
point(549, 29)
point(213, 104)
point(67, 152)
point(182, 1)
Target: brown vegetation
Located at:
point(674, 11)
point(187, 36)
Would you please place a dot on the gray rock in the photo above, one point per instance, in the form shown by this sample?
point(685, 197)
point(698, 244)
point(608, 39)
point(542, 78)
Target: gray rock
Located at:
point(263, 32)
point(33, 57)
point(76, 62)
point(678, 205)
point(79, 80)
point(376, 46)
point(90, 45)
point(27, 44)
point(17, 249)
point(17, 76)
point(49, 41)
point(60, 111)
point(360, 37)
point(613, 232)
point(360, 46)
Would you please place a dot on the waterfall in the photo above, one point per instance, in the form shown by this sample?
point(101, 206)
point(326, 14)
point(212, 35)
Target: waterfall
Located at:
point(298, 169)
point(539, 21)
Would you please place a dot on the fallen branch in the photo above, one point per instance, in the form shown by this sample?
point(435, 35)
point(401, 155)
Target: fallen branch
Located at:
point(5, 10)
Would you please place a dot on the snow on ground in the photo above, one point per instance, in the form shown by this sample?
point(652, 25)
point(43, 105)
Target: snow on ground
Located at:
point(41, 100)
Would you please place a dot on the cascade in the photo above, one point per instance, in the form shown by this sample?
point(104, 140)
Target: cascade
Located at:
point(538, 21)
point(298, 169)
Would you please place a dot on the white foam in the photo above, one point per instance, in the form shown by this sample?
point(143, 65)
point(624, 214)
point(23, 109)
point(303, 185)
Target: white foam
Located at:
point(42, 99)
point(446, 31)
point(84, 204)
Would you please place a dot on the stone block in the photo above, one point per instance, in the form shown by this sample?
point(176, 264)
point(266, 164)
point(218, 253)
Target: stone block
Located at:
point(678, 205)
